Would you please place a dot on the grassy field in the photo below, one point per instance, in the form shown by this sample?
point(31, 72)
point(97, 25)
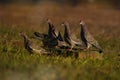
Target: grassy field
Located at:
point(17, 64)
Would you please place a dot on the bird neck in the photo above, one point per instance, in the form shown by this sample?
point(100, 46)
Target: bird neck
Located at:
point(60, 37)
point(25, 38)
point(67, 30)
point(49, 24)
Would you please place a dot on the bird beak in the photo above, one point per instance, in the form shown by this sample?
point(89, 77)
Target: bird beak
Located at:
point(48, 20)
point(81, 22)
point(62, 24)
point(22, 33)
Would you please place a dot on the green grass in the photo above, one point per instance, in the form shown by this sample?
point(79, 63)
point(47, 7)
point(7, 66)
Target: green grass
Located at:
point(17, 64)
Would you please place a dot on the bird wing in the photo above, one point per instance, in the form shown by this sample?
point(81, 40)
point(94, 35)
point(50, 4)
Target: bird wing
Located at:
point(68, 40)
point(51, 30)
point(91, 40)
point(27, 43)
point(40, 36)
point(59, 37)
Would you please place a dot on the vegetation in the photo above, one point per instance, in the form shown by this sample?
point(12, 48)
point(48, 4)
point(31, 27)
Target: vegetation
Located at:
point(17, 64)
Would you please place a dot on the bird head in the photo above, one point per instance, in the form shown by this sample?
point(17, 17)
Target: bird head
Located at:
point(81, 22)
point(48, 20)
point(22, 34)
point(66, 28)
point(62, 24)
point(65, 23)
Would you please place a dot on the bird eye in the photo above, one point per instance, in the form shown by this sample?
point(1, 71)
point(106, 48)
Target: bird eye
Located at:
point(63, 24)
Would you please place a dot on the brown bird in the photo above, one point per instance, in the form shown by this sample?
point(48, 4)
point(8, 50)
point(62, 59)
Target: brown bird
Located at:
point(51, 30)
point(52, 33)
point(67, 35)
point(87, 39)
point(69, 38)
point(27, 42)
point(28, 45)
point(51, 39)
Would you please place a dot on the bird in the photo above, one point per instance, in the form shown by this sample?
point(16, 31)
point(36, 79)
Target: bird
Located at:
point(28, 45)
point(51, 30)
point(67, 35)
point(56, 37)
point(27, 42)
point(51, 38)
point(52, 33)
point(87, 39)
point(68, 38)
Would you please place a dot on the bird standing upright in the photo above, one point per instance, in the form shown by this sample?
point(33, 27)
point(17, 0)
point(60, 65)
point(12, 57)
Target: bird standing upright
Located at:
point(52, 34)
point(67, 35)
point(51, 30)
point(87, 38)
point(52, 39)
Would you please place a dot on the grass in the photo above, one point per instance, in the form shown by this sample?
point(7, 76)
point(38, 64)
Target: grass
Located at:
point(17, 64)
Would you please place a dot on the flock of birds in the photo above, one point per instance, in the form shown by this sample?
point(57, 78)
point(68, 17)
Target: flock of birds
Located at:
point(55, 40)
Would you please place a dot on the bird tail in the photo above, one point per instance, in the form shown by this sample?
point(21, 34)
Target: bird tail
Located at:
point(38, 35)
point(97, 47)
point(40, 51)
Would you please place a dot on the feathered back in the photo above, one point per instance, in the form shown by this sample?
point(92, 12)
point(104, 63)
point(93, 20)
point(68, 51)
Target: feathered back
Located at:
point(60, 38)
point(51, 30)
point(83, 33)
point(67, 36)
point(67, 28)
